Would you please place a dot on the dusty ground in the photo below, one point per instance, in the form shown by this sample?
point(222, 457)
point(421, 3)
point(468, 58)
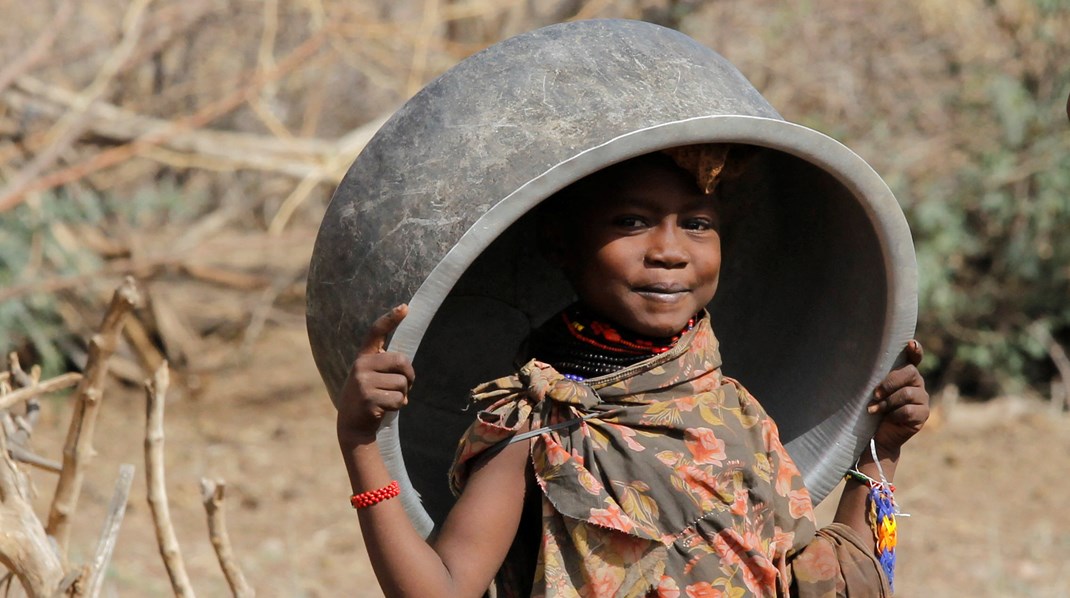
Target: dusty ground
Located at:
point(985, 485)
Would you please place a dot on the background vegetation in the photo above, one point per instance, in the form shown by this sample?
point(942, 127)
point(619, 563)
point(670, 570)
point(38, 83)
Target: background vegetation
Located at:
point(958, 104)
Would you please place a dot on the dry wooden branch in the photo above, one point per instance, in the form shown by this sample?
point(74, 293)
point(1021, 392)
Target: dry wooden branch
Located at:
point(417, 69)
point(212, 496)
point(155, 393)
point(231, 150)
point(182, 344)
point(259, 314)
point(51, 385)
point(142, 268)
point(78, 448)
point(39, 49)
point(146, 267)
point(25, 456)
point(94, 576)
point(24, 546)
point(212, 111)
point(19, 427)
point(18, 375)
point(1058, 357)
point(22, 425)
point(242, 281)
point(315, 161)
point(65, 132)
point(162, 27)
point(149, 356)
point(168, 24)
point(348, 147)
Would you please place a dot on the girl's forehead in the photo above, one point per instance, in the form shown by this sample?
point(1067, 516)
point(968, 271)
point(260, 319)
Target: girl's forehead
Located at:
point(662, 200)
point(651, 181)
point(653, 187)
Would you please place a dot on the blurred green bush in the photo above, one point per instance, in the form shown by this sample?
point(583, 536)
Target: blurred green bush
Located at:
point(33, 247)
point(993, 247)
point(993, 234)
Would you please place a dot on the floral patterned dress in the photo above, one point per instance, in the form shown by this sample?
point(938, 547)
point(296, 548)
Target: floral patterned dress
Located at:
point(664, 479)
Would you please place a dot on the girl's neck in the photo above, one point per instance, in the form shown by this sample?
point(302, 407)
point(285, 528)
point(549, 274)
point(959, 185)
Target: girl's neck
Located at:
point(591, 328)
point(581, 345)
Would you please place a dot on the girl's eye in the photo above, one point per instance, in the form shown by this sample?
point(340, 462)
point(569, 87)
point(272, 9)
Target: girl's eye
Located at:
point(629, 222)
point(699, 224)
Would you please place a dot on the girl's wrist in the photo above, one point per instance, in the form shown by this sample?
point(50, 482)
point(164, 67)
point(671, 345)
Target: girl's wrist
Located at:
point(885, 453)
point(363, 462)
point(356, 429)
point(887, 462)
point(349, 439)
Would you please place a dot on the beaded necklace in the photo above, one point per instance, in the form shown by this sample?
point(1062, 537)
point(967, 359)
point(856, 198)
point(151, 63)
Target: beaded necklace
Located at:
point(607, 337)
point(581, 346)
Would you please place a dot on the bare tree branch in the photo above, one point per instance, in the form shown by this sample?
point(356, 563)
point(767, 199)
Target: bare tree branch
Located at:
point(155, 393)
point(25, 456)
point(19, 437)
point(78, 448)
point(24, 547)
point(18, 375)
point(293, 157)
point(1058, 357)
point(314, 161)
point(212, 496)
point(70, 127)
point(145, 267)
point(60, 382)
point(422, 47)
point(40, 47)
point(143, 144)
point(109, 534)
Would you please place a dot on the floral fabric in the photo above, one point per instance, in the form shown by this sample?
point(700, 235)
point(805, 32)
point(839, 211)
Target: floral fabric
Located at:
point(665, 479)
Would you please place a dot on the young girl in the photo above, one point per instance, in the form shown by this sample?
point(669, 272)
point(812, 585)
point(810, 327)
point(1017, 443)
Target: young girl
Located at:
point(619, 460)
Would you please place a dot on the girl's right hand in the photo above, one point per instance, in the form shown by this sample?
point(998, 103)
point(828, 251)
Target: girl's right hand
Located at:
point(378, 382)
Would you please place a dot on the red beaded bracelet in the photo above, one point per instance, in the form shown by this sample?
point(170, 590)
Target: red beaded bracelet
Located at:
point(371, 497)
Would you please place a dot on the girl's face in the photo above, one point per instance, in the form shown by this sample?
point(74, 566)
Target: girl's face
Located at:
point(645, 250)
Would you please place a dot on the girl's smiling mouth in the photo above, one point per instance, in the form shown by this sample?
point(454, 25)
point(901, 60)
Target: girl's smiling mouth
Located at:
point(662, 291)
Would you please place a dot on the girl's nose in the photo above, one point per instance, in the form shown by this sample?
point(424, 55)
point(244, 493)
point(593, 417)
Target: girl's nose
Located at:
point(665, 248)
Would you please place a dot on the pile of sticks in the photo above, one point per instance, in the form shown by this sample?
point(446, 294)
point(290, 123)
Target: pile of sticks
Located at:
point(35, 552)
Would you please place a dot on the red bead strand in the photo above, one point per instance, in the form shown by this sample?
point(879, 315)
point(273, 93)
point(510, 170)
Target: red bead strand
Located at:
point(372, 497)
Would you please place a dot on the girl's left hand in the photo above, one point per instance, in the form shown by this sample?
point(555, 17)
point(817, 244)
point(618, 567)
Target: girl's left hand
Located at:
point(902, 401)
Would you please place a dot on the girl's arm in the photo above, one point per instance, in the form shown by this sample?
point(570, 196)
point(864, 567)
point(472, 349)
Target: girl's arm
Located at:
point(478, 531)
point(904, 404)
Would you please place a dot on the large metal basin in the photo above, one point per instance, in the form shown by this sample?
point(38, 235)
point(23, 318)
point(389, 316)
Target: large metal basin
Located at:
point(818, 290)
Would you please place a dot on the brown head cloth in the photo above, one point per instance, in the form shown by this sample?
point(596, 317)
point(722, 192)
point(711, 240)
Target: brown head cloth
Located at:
point(710, 163)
